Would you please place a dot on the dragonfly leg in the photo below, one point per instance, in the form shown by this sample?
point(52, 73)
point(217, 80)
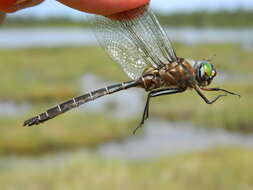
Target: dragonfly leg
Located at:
point(206, 99)
point(221, 90)
point(146, 108)
point(156, 93)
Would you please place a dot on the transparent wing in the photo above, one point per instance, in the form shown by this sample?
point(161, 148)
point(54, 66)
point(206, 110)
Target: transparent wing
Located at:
point(135, 40)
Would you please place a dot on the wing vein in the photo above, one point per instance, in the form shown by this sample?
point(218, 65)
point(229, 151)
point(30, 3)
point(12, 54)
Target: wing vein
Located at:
point(135, 40)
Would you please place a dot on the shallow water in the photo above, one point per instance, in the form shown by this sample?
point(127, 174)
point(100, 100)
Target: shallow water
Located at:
point(165, 138)
point(44, 37)
point(54, 37)
point(11, 109)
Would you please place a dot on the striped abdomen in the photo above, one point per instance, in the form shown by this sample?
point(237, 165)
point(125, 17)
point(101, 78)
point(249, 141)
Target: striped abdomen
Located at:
point(75, 102)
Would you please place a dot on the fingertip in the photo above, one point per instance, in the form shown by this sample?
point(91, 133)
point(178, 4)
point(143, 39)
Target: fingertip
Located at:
point(104, 7)
point(124, 5)
point(8, 10)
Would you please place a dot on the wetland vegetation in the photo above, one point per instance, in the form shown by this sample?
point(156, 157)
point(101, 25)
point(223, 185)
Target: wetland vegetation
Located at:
point(35, 158)
point(219, 169)
point(46, 76)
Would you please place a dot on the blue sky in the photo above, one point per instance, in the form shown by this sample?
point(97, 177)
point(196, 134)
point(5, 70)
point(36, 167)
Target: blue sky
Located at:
point(53, 8)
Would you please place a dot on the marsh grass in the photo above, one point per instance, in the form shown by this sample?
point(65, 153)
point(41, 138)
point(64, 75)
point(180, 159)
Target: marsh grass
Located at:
point(69, 132)
point(47, 76)
point(219, 169)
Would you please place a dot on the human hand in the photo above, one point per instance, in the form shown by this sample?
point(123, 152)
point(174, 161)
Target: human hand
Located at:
point(104, 7)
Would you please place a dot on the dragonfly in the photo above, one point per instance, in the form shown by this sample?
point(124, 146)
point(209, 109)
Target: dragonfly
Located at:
point(137, 42)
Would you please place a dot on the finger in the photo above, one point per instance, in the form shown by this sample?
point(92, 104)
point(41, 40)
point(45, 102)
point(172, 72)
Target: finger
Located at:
point(6, 5)
point(10, 6)
point(104, 7)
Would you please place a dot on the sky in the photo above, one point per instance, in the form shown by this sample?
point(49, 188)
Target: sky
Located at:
point(53, 8)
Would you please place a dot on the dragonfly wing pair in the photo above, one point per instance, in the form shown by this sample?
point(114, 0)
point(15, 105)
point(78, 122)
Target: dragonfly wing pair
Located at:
point(135, 40)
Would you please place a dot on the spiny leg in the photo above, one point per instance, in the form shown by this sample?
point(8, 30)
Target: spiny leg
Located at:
point(222, 90)
point(206, 99)
point(145, 114)
point(156, 93)
point(146, 108)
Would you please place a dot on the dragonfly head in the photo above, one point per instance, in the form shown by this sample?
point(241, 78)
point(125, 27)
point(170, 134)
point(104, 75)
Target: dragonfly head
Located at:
point(205, 72)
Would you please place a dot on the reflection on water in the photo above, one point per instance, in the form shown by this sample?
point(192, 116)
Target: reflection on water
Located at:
point(10, 109)
point(51, 37)
point(163, 138)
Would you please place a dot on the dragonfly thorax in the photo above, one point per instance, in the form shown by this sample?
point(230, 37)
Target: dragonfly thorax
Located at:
point(205, 72)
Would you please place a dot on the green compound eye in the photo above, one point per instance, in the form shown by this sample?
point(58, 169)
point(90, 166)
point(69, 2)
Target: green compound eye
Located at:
point(207, 68)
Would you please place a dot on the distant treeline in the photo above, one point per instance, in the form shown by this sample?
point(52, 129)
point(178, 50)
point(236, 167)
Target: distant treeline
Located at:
point(238, 18)
point(49, 22)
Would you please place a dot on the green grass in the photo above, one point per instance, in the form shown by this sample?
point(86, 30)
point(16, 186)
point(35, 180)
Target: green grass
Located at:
point(40, 22)
point(67, 132)
point(219, 169)
point(54, 73)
